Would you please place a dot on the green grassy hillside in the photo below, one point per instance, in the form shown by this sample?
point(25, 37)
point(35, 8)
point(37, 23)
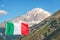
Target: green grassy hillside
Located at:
point(49, 29)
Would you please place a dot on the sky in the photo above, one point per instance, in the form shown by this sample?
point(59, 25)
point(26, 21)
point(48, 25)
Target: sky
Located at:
point(12, 8)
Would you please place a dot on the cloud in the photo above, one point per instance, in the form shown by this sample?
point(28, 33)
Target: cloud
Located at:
point(3, 12)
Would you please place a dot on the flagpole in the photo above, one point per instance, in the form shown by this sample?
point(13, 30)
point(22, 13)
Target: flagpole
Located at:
point(20, 37)
point(4, 33)
point(5, 37)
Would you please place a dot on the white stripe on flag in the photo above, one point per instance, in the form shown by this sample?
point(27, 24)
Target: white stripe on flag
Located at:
point(17, 28)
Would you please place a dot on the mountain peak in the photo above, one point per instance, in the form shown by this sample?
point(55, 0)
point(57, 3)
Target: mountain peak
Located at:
point(38, 11)
point(33, 16)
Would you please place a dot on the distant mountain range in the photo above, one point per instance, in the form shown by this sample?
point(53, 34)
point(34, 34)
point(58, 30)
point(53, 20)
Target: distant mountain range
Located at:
point(48, 29)
point(32, 17)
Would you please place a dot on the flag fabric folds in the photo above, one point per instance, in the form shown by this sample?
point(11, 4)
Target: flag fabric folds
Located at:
point(20, 28)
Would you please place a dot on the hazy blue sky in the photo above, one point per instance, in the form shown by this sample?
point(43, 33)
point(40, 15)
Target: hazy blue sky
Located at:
point(13, 8)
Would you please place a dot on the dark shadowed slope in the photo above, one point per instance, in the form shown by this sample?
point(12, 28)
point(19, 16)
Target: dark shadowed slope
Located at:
point(48, 29)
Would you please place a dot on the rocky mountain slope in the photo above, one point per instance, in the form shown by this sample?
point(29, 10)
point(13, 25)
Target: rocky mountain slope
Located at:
point(49, 29)
point(33, 16)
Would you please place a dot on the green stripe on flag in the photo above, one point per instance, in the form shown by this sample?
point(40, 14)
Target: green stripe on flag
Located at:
point(9, 28)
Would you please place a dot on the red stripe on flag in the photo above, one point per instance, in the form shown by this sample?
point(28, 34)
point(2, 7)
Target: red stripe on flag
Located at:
point(24, 29)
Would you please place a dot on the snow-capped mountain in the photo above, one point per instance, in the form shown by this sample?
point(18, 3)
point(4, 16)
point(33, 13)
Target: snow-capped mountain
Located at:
point(33, 16)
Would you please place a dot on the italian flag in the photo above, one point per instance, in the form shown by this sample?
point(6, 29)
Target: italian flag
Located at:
point(20, 28)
